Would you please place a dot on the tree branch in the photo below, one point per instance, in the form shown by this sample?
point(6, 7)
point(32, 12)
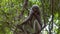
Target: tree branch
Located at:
point(23, 8)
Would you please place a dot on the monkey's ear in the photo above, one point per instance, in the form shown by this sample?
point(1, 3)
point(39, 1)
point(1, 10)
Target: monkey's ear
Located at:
point(31, 11)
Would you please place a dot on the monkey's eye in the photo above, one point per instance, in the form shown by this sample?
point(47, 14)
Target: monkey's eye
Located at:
point(34, 9)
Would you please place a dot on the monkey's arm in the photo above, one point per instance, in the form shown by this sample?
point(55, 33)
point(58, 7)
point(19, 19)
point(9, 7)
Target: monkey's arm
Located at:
point(28, 18)
point(39, 20)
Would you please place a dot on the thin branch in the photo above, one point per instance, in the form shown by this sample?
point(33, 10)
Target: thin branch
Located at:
point(23, 8)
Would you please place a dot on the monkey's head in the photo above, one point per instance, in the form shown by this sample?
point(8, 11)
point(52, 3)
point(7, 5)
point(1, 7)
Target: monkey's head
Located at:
point(35, 8)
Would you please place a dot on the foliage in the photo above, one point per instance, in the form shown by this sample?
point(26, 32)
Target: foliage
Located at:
point(10, 9)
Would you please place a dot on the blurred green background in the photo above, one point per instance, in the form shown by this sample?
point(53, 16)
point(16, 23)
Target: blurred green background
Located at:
point(10, 10)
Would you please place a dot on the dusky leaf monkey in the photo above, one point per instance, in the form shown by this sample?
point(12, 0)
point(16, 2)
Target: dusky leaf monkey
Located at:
point(34, 13)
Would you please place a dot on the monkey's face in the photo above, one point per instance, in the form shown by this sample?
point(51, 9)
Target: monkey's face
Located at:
point(35, 8)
